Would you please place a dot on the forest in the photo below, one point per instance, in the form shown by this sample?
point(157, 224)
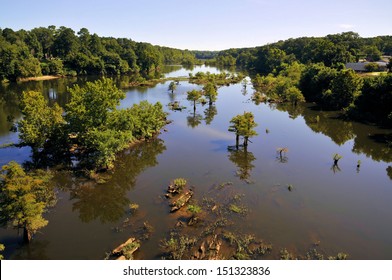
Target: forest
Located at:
point(59, 51)
point(313, 70)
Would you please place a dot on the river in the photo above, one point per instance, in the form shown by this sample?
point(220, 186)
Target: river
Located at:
point(345, 209)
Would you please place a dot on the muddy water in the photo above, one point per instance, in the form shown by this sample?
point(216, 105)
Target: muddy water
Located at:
point(343, 209)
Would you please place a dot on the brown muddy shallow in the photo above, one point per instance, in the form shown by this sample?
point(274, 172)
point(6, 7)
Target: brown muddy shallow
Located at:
point(244, 196)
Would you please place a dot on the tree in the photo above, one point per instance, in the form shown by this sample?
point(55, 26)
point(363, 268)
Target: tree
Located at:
point(172, 86)
point(210, 92)
point(91, 105)
point(1, 250)
point(243, 125)
point(194, 96)
point(345, 88)
point(24, 198)
point(41, 122)
point(294, 95)
point(372, 67)
point(101, 129)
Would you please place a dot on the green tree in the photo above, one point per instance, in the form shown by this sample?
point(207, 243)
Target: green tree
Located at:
point(101, 129)
point(210, 92)
point(172, 86)
point(372, 67)
point(1, 250)
point(91, 105)
point(294, 95)
point(243, 125)
point(24, 198)
point(194, 96)
point(345, 88)
point(40, 123)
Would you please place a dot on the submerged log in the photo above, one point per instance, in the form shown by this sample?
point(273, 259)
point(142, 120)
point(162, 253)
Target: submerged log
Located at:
point(181, 201)
point(174, 189)
point(126, 249)
point(209, 249)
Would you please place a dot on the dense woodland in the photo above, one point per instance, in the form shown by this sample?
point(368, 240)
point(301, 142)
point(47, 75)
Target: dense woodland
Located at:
point(61, 51)
point(313, 70)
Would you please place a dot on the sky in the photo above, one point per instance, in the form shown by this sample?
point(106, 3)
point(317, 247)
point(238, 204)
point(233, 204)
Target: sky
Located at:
point(203, 24)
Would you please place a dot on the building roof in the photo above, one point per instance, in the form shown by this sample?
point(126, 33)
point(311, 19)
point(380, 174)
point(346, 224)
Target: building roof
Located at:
point(360, 66)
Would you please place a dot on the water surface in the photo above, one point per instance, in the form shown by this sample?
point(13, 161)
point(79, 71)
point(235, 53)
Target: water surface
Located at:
point(344, 210)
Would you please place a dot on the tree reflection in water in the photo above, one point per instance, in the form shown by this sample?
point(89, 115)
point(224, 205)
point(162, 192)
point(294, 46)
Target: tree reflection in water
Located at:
point(243, 160)
point(108, 201)
point(209, 113)
point(194, 120)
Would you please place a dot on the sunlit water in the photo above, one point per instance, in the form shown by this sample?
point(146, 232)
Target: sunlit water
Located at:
point(342, 210)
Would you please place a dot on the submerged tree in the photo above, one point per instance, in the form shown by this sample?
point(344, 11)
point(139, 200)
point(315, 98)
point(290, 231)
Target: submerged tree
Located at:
point(41, 123)
point(243, 125)
point(210, 92)
point(172, 86)
point(24, 198)
point(194, 96)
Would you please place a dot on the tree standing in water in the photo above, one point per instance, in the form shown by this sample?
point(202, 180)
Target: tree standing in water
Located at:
point(24, 198)
point(243, 125)
point(210, 92)
point(194, 96)
point(172, 86)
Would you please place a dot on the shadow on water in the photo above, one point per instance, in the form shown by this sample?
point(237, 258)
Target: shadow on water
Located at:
point(107, 202)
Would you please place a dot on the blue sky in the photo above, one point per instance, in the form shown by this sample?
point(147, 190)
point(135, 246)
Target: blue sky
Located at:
point(203, 24)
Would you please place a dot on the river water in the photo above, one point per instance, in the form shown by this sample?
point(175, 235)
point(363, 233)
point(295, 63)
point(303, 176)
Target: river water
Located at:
point(345, 209)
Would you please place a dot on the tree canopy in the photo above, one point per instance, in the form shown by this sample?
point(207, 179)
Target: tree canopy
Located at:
point(24, 197)
point(92, 123)
point(61, 51)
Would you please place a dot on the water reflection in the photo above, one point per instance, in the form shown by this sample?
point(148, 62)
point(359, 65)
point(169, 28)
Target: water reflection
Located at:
point(9, 110)
point(107, 202)
point(389, 172)
point(209, 113)
point(35, 250)
point(194, 119)
point(243, 159)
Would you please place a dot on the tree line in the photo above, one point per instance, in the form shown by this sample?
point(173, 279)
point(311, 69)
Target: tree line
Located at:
point(313, 70)
point(61, 51)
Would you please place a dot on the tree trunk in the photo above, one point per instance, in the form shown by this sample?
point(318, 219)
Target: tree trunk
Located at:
point(26, 235)
point(245, 141)
point(237, 140)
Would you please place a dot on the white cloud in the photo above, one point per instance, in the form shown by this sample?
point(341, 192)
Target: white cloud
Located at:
point(346, 26)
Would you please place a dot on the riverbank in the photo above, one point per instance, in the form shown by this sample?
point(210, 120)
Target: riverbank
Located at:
point(40, 78)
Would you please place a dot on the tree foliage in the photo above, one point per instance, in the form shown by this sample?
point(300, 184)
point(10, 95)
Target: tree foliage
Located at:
point(243, 125)
point(194, 96)
point(41, 123)
point(210, 91)
point(24, 197)
point(61, 51)
point(92, 123)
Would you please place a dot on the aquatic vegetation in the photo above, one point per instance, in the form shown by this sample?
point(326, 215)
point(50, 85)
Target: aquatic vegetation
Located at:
point(194, 208)
point(175, 247)
point(181, 182)
point(290, 187)
point(336, 157)
point(237, 209)
point(285, 255)
point(133, 207)
point(125, 250)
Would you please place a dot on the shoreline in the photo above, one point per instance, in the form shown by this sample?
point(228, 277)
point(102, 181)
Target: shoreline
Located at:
point(40, 78)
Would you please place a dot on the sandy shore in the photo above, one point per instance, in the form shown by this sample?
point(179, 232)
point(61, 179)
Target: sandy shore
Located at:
point(41, 78)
